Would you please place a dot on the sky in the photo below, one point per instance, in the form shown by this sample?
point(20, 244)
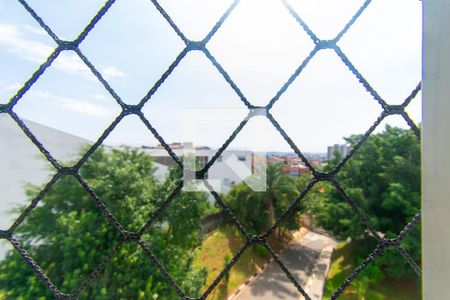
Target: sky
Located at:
point(260, 45)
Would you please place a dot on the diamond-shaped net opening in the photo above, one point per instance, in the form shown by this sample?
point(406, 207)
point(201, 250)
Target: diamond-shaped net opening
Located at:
point(135, 236)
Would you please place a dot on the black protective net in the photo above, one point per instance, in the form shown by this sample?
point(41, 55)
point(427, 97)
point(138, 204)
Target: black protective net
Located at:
point(136, 237)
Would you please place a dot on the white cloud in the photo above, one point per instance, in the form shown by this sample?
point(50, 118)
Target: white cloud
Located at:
point(70, 63)
point(83, 107)
point(16, 41)
point(110, 72)
point(38, 31)
point(12, 86)
point(75, 105)
point(100, 97)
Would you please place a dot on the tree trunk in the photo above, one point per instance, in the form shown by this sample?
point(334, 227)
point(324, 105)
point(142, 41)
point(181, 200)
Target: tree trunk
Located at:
point(270, 209)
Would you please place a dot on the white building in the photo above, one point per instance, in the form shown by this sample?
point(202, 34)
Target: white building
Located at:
point(231, 168)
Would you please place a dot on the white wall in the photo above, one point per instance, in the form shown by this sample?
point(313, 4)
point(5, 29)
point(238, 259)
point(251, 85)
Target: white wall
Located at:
point(222, 171)
point(21, 161)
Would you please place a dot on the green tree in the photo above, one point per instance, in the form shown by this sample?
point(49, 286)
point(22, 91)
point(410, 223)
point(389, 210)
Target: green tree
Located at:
point(383, 179)
point(68, 235)
point(259, 210)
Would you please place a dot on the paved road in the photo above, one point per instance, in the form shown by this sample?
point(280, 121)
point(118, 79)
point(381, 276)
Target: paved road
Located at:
point(300, 258)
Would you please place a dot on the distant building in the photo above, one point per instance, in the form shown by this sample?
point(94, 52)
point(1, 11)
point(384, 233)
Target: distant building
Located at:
point(296, 170)
point(342, 149)
point(225, 169)
point(292, 165)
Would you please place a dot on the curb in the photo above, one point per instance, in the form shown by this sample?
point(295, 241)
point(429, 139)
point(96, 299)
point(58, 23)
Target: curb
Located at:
point(297, 236)
point(250, 280)
point(316, 282)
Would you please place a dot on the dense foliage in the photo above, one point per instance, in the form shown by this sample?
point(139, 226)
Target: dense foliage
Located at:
point(68, 235)
point(383, 178)
point(259, 210)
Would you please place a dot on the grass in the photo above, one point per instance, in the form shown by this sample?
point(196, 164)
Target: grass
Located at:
point(343, 264)
point(221, 245)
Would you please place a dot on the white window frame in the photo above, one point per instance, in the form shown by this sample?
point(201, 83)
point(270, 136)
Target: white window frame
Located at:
point(436, 150)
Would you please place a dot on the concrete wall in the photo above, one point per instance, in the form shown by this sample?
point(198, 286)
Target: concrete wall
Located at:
point(21, 161)
point(213, 221)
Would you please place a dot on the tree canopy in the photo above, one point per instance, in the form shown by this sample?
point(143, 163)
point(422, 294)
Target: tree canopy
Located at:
point(259, 210)
point(68, 235)
point(383, 179)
